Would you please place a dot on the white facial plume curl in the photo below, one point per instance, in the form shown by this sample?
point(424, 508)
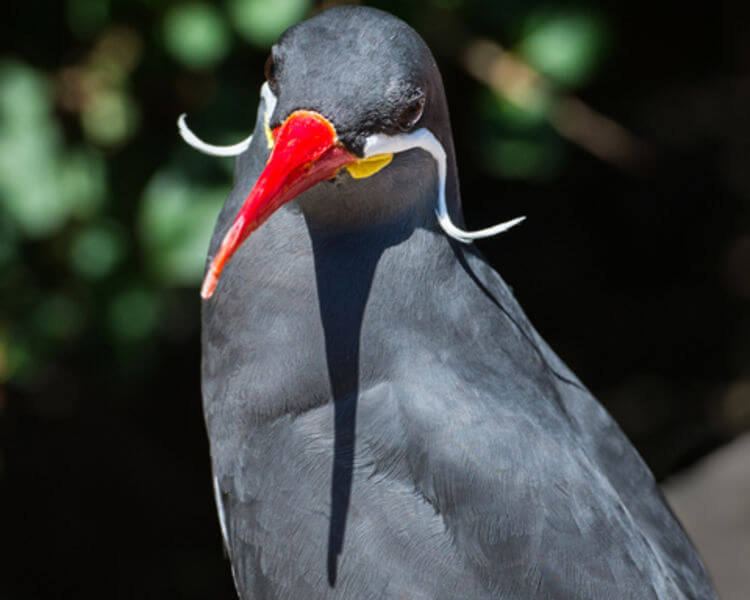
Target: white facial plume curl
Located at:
point(423, 138)
point(235, 149)
point(375, 144)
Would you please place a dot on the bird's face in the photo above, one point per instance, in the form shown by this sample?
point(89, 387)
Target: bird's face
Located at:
point(345, 90)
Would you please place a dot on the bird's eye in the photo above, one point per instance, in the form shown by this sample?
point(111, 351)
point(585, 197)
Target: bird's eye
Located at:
point(269, 70)
point(412, 113)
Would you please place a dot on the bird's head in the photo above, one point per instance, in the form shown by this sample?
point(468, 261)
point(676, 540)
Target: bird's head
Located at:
point(345, 92)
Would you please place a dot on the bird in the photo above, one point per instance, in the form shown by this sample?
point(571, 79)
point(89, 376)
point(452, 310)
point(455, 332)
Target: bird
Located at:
point(383, 419)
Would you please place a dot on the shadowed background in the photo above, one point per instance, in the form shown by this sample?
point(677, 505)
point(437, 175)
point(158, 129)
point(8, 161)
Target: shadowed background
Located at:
point(622, 130)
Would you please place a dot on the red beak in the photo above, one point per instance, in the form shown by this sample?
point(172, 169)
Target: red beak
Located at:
point(306, 151)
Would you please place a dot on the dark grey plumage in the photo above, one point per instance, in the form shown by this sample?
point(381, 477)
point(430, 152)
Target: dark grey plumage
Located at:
point(384, 422)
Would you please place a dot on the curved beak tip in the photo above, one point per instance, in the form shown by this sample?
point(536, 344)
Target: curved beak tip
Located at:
point(306, 151)
point(209, 285)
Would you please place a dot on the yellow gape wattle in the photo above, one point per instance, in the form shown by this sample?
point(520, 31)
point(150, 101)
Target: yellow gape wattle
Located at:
point(368, 166)
point(269, 134)
point(364, 167)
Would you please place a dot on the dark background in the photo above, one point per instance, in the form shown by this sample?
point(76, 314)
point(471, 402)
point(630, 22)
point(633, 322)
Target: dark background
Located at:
point(621, 129)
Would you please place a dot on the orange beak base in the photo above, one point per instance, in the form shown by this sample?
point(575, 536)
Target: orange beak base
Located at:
point(306, 151)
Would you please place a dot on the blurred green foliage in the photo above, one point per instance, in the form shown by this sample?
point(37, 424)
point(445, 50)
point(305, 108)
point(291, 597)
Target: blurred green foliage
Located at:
point(196, 34)
point(262, 21)
point(66, 134)
point(565, 45)
point(175, 223)
point(86, 17)
point(43, 182)
point(639, 281)
point(97, 249)
point(133, 314)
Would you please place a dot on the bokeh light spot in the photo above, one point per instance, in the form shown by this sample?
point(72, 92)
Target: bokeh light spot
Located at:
point(58, 317)
point(109, 117)
point(41, 185)
point(565, 46)
point(82, 182)
point(519, 158)
point(196, 35)
point(96, 251)
point(175, 223)
point(262, 21)
point(133, 314)
point(24, 96)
